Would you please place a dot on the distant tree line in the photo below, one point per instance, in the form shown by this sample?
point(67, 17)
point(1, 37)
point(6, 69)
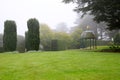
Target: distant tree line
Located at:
point(66, 40)
point(41, 37)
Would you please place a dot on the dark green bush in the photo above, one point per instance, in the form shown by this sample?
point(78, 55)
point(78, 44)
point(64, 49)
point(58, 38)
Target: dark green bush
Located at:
point(57, 45)
point(10, 36)
point(54, 45)
point(117, 39)
point(33, 38)
point(115, 48)
point(1, 49)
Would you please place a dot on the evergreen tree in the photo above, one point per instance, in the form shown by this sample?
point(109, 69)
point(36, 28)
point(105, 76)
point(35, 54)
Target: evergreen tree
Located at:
point(10, 36)
point(33, 34)
point(103, 10)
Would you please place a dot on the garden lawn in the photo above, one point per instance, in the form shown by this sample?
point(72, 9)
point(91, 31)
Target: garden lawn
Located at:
point(60, 65)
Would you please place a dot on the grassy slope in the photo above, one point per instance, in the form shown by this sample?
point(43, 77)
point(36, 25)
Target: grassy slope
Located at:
point(62, 65)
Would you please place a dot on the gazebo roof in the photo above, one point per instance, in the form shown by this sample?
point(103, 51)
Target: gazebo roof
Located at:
point(88, 35)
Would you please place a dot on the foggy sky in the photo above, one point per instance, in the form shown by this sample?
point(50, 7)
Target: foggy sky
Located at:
point(51, 12)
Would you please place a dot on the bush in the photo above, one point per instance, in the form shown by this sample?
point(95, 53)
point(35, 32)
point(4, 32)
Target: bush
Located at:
point(57, 45)
point(117, 39)
point(1, 49)
point(10, 36)
point(115, 48)
point(54, 45)
point(33, 38)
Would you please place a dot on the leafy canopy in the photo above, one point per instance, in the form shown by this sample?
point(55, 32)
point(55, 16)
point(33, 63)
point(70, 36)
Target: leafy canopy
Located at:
point(103, 10)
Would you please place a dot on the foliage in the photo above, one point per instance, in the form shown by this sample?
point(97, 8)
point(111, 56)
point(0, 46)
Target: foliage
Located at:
point(10, 36)
point(100, 29)
point(33, 34)
point(60, 65)
point(103, 10)
point(117, 39)
point(26, 41)
point(116, 46)
point(54, 45)
point(1, 49)
point(76, 37)
point(111, 47)
point(46, 35)
point(20, 43)
point(87, 21)
point(64, 39)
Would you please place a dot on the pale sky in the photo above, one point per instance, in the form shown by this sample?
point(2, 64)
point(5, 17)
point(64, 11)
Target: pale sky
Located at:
point(51, 12)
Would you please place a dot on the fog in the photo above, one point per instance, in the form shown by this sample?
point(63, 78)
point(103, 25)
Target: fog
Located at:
point(51, 12)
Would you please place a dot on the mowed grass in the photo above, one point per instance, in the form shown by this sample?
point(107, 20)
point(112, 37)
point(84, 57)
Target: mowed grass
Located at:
point(61, 65)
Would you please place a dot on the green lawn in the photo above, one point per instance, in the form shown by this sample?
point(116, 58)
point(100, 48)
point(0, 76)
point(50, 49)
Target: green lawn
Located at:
point(61, 65)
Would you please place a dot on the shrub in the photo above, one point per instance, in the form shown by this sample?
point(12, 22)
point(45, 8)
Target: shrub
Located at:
point(117, 39)
point(116, 46)
point(10, 36)
point(1, 49)
point(54, 45)
point(33, 34)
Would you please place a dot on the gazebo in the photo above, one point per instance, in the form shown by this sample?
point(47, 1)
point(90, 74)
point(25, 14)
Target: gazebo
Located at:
point(89, 39)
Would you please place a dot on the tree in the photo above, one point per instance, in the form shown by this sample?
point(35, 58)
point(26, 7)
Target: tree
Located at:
point(75, 34)
point(87, 21)
point(10, 36)
point(103, 10)
point(26, 41)
point(64, 39)
point(116, 46)
point(33, 34)
point(46, 35)
point(117, 39)
point(54, 45)
point(100, 29)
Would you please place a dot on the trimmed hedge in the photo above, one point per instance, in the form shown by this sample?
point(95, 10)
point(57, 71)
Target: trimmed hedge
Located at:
point(54, 45)
point(57, 45)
